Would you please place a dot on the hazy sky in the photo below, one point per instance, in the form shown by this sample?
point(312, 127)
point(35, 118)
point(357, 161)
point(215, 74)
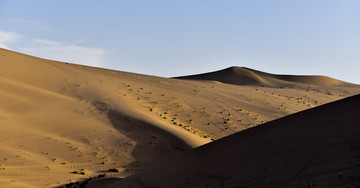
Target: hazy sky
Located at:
point(180, 37)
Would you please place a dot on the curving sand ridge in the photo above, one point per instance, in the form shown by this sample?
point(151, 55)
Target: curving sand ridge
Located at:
point(246, 76)
point(58, 118)
point(309, 147)
point(37, 75)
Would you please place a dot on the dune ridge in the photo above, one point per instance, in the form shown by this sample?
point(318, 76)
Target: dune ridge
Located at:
point(63, 122)
point(309, 147)
point(247, 76)
point(60, 117)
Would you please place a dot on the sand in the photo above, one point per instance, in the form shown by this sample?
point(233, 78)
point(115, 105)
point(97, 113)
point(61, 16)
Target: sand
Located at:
point(251, 77)
point(307, 148)
point(57, 118)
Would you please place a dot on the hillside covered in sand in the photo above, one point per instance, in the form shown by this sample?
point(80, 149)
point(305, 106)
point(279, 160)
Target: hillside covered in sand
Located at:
point(250, 77)
point(319, 147)
point(63, 122)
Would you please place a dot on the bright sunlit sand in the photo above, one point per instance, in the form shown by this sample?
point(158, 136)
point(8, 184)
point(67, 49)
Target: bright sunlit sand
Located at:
point(64, 123)
point(163, 94)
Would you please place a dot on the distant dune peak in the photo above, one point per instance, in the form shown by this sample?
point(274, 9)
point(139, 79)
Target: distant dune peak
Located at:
point(250, 77)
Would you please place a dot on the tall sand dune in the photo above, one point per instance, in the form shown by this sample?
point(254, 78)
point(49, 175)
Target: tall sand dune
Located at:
point(313, 148)
point(246, 76)
point(63, 123)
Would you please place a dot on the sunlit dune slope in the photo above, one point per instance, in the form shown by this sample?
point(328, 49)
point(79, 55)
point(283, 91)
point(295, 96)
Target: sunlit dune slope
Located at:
point(62, 122)
point(57, 118)
point(309, 147)
point(246, 76)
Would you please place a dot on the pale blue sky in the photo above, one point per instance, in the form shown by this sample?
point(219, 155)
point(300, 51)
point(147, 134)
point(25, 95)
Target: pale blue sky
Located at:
point(180, 37)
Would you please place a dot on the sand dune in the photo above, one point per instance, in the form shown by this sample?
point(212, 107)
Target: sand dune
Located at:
point(246, 76)
point(58, 118)
point(310, 147)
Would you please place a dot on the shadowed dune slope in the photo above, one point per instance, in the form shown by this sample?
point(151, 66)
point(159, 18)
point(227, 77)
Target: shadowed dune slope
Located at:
point(59, 118)
point(63, 123)
point(246, 76)
point(311, 146)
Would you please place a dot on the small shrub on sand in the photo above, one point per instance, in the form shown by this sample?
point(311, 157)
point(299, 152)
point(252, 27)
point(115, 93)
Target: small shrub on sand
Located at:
point(101, 175)
point(79, 172)
point(114, 170)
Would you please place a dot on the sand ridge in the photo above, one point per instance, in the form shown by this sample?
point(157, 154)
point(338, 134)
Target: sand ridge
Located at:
point(247, 76)
point(309, 147)
point(59, 118)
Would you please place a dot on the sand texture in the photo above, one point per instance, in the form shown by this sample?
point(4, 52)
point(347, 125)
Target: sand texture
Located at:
point(307, 148)
point(62, 122)
point(246, 76)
